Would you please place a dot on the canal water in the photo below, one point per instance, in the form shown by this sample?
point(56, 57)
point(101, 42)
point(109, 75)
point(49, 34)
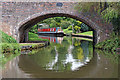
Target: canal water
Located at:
point(65, 57)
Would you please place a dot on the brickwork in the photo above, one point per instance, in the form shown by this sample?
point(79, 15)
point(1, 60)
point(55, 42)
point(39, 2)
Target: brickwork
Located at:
point(20, 16)
point(5, 28)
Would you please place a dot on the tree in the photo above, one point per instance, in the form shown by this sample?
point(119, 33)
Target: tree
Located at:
point(77, 29)
point(69, 27)
point(53, 24)
point(34, 29)
point(65, 24)
point(112, 14)
point(84, 27)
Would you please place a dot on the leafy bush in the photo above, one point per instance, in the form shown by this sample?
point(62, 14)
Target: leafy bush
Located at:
point(111, 44)
point(69, 27)
point(65, 24)
point(84, 27)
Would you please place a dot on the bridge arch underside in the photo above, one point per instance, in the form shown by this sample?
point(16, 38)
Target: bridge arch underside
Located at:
point(24, 28)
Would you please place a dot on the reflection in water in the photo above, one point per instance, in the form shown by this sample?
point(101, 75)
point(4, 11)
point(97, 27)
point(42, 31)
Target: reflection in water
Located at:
point(74, 63)
point(52, 38)
point(67, 56)
point(72, 58)
point(53, 62)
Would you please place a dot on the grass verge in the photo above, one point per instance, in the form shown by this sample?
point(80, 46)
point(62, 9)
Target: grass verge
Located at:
point(66, 31)
point(6, 38)
point(89, 33)
point(35, 37)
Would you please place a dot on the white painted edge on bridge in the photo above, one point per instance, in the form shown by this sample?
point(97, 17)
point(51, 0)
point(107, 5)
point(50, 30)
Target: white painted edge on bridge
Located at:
point(60, 0)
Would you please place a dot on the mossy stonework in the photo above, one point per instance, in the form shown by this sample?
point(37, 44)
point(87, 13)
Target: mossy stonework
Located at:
point(20, 16)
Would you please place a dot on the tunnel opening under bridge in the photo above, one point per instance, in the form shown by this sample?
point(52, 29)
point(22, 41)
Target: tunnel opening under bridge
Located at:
point(25, 27)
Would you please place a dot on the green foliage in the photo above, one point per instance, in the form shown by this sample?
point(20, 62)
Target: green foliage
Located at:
point(91, 50)
point(84, 27)
point(79, 23)
point(7, 57)
point(33, 52)
point(54, 24)
point(67, 31)
point(112, 14)
point(88, 33)
point(58, 19)
point(109, 14)
point(6, 38)
point(80, 54)
point(77, 29)
point(34, 29)
point(65, 24)
point(8, 45)
point(111, 44)
point(84, 6)
point(35, 37)
point(10, 48)
point(77, 43)
point(33, 45)
point(69, 27)
point(110, 11)
point(8, 52)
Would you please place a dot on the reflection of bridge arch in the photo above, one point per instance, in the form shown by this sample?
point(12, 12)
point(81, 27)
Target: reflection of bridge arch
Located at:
point(22, 67)
point(91, 67)
point(94, 69)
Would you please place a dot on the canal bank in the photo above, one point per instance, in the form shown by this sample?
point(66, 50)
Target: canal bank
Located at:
point(17, 47)
point(11, 50)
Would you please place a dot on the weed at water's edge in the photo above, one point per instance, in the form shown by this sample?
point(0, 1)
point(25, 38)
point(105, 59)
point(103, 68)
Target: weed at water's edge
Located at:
point(111, 44)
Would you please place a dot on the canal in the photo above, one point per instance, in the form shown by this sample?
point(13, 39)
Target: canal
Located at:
point(65, 57)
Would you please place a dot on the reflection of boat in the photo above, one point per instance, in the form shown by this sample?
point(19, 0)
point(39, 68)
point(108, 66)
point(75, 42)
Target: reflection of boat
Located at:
point(52, 38)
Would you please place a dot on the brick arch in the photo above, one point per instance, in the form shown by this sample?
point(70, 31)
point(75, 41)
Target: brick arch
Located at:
point(29, 22)
point(20, 16)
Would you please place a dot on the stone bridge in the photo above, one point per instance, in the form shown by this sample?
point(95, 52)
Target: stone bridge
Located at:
point(18, 17)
